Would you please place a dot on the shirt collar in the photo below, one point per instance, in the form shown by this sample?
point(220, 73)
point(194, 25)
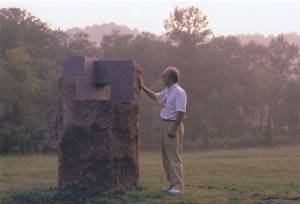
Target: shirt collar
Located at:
point(173, 86)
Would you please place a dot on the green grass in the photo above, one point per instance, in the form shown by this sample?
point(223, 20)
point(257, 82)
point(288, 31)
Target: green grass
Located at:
point(256, 175)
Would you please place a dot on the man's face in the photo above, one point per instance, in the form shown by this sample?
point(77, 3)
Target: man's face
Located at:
point(166, 78)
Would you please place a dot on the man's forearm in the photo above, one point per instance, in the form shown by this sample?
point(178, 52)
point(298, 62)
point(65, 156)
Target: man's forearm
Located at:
point(179, 119)
point(149, 92)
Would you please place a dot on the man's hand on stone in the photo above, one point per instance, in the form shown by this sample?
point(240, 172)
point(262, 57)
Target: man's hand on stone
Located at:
point(141, 83)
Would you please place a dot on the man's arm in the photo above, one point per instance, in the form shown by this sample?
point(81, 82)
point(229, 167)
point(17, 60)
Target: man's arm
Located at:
point(147, 91)
point(180, 104)
point(179, 119)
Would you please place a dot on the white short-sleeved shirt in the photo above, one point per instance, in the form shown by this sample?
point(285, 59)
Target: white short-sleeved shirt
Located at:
point(171, 100)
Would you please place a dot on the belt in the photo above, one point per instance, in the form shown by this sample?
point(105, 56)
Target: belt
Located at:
point(168, 120)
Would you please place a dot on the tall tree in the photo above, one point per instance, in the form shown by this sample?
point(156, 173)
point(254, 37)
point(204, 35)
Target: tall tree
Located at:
point(187, 26)
point(281, 62)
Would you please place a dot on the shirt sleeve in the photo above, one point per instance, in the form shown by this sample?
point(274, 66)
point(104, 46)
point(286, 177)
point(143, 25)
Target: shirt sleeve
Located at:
point(181, 99)
point(160, 96)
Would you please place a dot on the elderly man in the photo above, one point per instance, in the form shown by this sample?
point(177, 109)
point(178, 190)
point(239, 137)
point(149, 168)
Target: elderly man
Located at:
point(173, 107)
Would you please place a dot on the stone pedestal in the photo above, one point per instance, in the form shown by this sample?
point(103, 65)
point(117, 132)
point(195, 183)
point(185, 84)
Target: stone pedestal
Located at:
point(98, 133)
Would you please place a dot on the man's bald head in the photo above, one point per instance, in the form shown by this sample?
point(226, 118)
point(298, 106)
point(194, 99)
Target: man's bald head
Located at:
point(173, 73)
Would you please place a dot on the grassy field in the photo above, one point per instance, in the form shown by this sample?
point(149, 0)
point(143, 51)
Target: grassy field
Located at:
point(225, 176)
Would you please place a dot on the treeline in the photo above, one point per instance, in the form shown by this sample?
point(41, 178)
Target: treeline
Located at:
point(239, 95)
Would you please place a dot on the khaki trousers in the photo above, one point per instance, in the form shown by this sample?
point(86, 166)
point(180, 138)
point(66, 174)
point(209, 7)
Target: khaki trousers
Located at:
point(172, 153)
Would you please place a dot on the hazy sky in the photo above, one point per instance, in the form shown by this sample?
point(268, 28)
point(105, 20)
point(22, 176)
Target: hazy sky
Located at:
point(225, 16)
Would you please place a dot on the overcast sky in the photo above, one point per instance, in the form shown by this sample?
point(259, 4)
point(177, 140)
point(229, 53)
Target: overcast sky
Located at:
point(225, 16)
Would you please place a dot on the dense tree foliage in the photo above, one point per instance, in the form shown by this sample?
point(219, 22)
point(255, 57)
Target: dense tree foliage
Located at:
point(239, 95)
point(31, 56)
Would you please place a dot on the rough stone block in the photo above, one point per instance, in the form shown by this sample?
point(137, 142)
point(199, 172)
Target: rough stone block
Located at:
point(98, 139)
